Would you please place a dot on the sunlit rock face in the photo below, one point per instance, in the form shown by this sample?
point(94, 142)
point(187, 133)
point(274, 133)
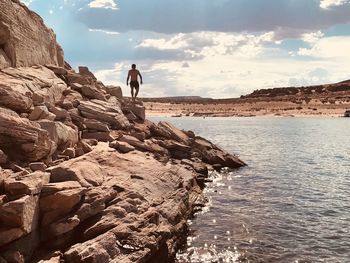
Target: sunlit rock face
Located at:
point(24, 39)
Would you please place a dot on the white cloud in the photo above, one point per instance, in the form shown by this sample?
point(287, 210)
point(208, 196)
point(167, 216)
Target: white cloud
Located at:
point(203, 44)
point(106, 4)
point(104, 31)
point(329, 48)
point(325, 4)
point(312, 37)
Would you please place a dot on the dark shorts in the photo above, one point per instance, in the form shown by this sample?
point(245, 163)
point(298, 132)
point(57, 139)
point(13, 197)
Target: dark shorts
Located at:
point(134, 84)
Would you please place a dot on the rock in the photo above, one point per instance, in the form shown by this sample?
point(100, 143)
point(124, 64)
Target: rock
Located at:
point(37, 166)
point(59, 204)
point(139, 135)
point(21, 216)
point(3, 157)
point(96, 125)
point(122, 147)
point(63, 135)
point(130, 116)
point(104, 112)
point(61, 186)
point(41, 112)
point(144, 146)
point(14, 100)
point(63, 226)
point(86, 72)
point(92, 92)
point(26, 41)
point(29, 184)
point(21, 139)
point(169, 131)
point(57, 70)
point(61, 114)
point(115, 91)
point(86, 147)
point(139, 111)
point(86, 172)
point(176, 149)
point(38, 83)
point(70, 152)
point(100, 136)
point(76, 78)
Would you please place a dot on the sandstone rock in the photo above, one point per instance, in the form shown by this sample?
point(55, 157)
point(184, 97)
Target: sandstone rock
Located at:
point(122, 147)
point(100, 136)
point(169, 131)
point(76, 78)
point(86, 72)
point(70, 152)
point(20, 215)
point(21, 139)
point(27, 184)
point(41, 112)
point(57, 70)
point(25, 39)
point(63, 226)
point(38, 82)
point(37, 166)
point(96, 125)
point(86, 147)
point(61, 114)
point(144, 146)
point(104, 112)
point(139, 111)
point(61, 186)
point(86, 172)
point(63, 135)
point(92, 92)
point(59, 204)
point(115, 91)
point(13, 99)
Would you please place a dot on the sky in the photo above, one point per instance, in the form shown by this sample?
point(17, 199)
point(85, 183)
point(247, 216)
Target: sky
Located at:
point(208, 48)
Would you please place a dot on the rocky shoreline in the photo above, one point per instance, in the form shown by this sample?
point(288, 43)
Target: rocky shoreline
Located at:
point(84, 176)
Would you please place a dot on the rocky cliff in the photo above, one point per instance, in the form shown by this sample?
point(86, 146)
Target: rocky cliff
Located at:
point(84, 177)
point(24, 39)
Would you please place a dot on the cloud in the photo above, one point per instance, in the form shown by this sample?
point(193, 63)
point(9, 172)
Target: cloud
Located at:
point(104, 31)
point(325, 4)
point(312, 37)
point(106, 4)
point(183, 16)
point(334, 48)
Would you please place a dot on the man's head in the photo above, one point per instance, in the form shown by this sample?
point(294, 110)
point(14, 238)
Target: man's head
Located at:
point(133, 66)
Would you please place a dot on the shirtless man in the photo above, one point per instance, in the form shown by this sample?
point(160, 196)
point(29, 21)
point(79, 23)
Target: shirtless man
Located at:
point(133, 73)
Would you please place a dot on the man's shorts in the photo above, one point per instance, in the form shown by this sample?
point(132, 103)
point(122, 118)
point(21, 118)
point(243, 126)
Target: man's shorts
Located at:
point(134, 84)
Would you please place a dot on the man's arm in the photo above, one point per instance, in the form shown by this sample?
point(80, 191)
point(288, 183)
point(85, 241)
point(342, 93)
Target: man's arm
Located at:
point(127, 80)
point(140, 77)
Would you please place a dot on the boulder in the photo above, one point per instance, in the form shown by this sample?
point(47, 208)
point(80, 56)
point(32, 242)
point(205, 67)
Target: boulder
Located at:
point(122, 147)
point(100, 136)
point(147, 145)
point(115, 91)
point(86, 72)
point(92, 92)
point(41, 112)
point(25, 40)
point(19, 138)
point(37, 82)
point(86, 172)
point(61, 186)
point(104, 112)
point(18, 217)
point(61, 114)
point(63, 135)
point(96, 125)
point(60, 71)
point(70, 152)
point(29, 184)
point(169, 131)
point(37, 166)
point(13, 99)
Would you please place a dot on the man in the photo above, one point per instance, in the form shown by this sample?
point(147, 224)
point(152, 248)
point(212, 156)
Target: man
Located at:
point(133, 73)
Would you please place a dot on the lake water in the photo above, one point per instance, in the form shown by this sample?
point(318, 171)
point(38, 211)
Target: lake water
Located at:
point(291, 204)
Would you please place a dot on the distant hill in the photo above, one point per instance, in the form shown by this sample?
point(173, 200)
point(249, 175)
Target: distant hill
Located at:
point(343, 86)
point(175, 99)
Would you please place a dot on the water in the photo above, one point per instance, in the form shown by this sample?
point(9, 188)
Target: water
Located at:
point(291, 204)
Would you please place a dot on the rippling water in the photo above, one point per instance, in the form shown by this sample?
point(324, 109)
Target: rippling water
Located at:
point(291, 204)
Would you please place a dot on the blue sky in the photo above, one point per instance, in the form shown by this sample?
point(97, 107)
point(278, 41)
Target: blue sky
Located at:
point(209, 48)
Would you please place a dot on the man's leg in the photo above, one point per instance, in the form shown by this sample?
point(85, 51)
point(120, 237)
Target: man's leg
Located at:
point(132, 93)
point(137, 91)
